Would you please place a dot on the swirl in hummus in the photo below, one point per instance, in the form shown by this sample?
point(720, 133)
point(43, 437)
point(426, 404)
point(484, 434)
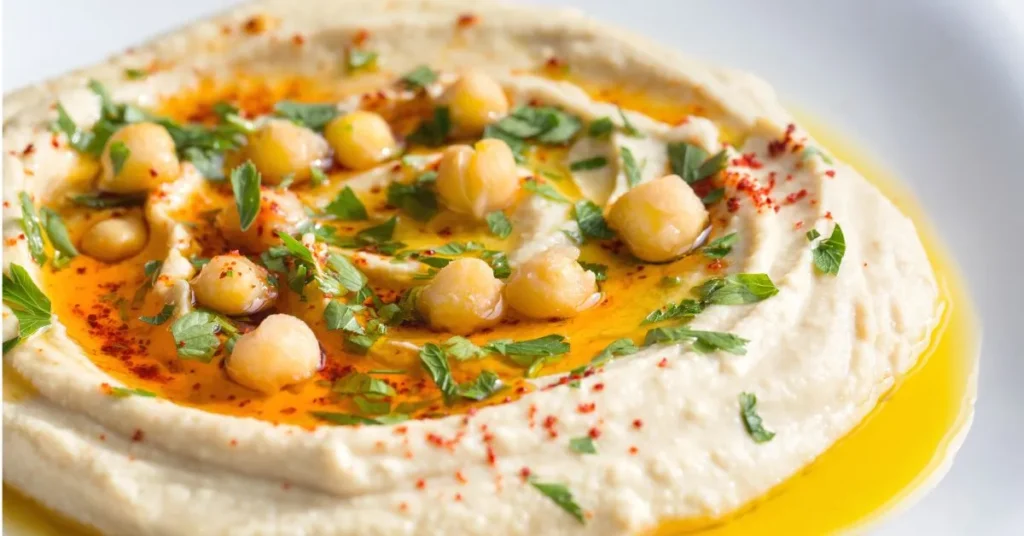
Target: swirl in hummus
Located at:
point(392, 267)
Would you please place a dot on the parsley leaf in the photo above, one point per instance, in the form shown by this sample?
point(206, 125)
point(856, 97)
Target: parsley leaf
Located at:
point(33, 228)
point(419, 78)
point(600, 127)
point(416, 200)
point(77, 138)
point(751, 420)
point(703, 341)
point(545, 190)
point(811, 151)
point(499, 224)
point(341, 316)
point(462, 348)
point(617, 348)
point(720, 247)
point(627, 126)
point(812, 235)
point(163, 316)
point(348, 419)
point(119, 153)
point(544, 124)
point(30, 306)
point(600, 270)
point(498, 261)
point(829, 253)
point(713, 196)
point(124, 392)
point(685, 309)
point(484, 386)
point(525, 353)
point(561, 496)
point(588, 164)
point(313, 116)
point(245, 183)
point(591, 221)
point(361, 343)
point(135, 74)
point(435, 131)
point(435, 362)
point(58, 234)
point(317, 176)
point(104, 200)
point(358, 59)
point(633, 176)
point(582, 445)
point(346, 206)
point(358, 383)
point(195, 335)
point(737, 289)
point(378, 233)
point(691, 162)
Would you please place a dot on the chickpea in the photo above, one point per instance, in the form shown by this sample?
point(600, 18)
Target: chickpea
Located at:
point(659, 220)
point(476, 101)
point(478, 180)
point(115, 239)
point(462, 298)
point(552, 284)
point(360, 139)
point(233, 285)
point(151, 159)
point(281, 351)
point(281, 148)
point(280, 211)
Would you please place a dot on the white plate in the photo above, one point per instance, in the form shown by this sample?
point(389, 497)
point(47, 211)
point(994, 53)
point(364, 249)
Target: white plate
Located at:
point(933, 90)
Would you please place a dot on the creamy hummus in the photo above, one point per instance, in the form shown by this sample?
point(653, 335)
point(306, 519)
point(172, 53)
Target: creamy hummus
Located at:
point(676, 427)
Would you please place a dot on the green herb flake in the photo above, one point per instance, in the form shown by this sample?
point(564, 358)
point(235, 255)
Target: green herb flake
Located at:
point(583, 445)
point(378, 233)
point(591, 221)
point(313, 116)
point(119, 153)
point(627, 126)
point(433, 132)
point(317, 177)
point(685, 309)
point(195, 335)
point(245, 183)
point(561, 496)
point(499, 224)
point(359, 59)
point(544, 190)
point(589, 164)
point(484, 386)
point(419, 78)
point(341, 316)
point(691, 162)
point(33, 229)
point(751, 420)
point(358, 383)
point(416, 200)
point(720, 247)
point(347, 419)
point(124, 392)
point(811, 151)
point(102, 200)
point(462, 349)
point(703, 341)
point(526, 353)
point(600, 271)
point(58, 234)
point(601, 127)
point(737, 289)
point(163, 316)
point(435, 362)
point(713, 196)
point(346, 206)
point(812, 235)
point(30, 306)
point(632, 169)
point(828, 255)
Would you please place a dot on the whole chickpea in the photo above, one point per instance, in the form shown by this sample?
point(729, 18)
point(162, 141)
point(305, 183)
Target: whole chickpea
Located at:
point(281, 148)
point(280, 211)
point(659, 220)
point(479, 179)
point(115, 239)
point(233, 285)
point(475, 101)
point(151, 159)
point(281, 351)
point(361, 139)
point(462, 298)
point(552, 285)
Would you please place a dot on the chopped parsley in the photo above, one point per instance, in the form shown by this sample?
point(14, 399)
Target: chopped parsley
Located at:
point(632, 169)
point(378, 233)
point(317, 176)
point(685, 309)
point(582, 445)
point(591, 221)
point(163, 316)
point(119, 153)
point(703, 341)
point(417, 200)
point(737, 289)
point(828, 255)
point(561, 496)
point(544, 190)
point(498, 261)
point(419, 78)
point(435, 131)
point(135, 74)
point(245, 183)
point(720, 247)
point(33, 229)
point(600, 127)
point(313, 116)
point(627, 126)
point(59, 238)
point(435, 361)
point(532, 352)
point(484, 386)
point(104, 200)
point(589, 164)
point(600, 271)
point(195, 335)
point(358, 383)
point(751, 420)
point(124, 392)
point(811, 151)
point(499, 224)
point(713, 196)
point(358, 59)
point(546, 125)
point(346, 206)
point(30, 306)
point(347, 419)
point(812, 235)
point(341, 316)
point(692, 163)
point(462, 348)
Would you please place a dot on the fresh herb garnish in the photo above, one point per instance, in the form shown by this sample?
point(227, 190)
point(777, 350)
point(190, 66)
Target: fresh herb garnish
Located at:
point(346, 206)
point(435, 362)
point(703, 341)
point(685, 309)
point(692, 163)
point(751, 420)
point(498, 261)
point(591, 221)
point(195, 335)
point(313, 116)
point(713, 196)
point(631, 168)
point(163, 316)
point(720, 247)
point(30, 306)
point(357, 59)
point(737, 289)
point(545, 190)
point(119, 153)
point(341, 316)
point(33, 229)
point(484, 386)
point(245, 183)
point(462, 348)
point(811, 151)
point(419, 78)
point(317, 177)
point(347, 419)
point(499, 224)
point(582, 445)
point(543, 124)
point(378, 233)
point(124, 392)
point(600, 271)
point(361, 343)
point(828, 255)
point(103, 200)
point(416, 200)
point(526, 353)
point(627, 126)
point(561, 496)
point(812, 235)
point(600, 127)
point(435, 131)
point(588, 164)
point(135, 74)
point(357, 383)
point(58, 234)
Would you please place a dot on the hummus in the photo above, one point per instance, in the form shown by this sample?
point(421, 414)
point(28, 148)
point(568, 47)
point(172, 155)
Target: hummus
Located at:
point(677, 387)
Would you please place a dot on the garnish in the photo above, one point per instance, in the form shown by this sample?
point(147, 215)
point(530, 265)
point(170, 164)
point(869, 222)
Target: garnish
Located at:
point(631, 168)
point(588, 164)
point(124, 392)
point(737, 289)
point(361, 343)
point(828, 255)
point(713, 196)
point(435, 362)
point(499, 263)
point(435, 131)
point(527, 353)
point(346, 206)
point(348, 419)
point(703, 341)
point(591, 221)
point(195, 335)
point(544, 124)
point(811, 151)
point(135, 74)
point(151, 270)
point(30, 306)
point(812, 235)
point(357, 383)
point(692, 163)
point(33, 229)
point(317, 176)
point(119, 153)
point(358, 59)
point(163, 316)
point(484, 386)
point(103, 200)
point(561, 496)
point(582, 445)
point(419, 78)
point(751, 420)
point(617, 348)
point(627, 126)
point(600, 271)
point(685, 309)
point(341, 316)
point(81, 140)
point(58, 234)
point(545, 190)
point(417, 200)
point(378, 233)
point(314, 116)
point(245, 183)
point(720, 247)
point(499, 224)
point(462, 348)
point(600, 127)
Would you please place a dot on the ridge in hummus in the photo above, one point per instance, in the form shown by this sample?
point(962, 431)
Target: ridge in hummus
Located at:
point(366, 268)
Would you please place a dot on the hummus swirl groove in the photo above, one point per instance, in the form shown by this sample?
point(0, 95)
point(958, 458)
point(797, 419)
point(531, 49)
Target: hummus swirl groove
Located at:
point(736, 339)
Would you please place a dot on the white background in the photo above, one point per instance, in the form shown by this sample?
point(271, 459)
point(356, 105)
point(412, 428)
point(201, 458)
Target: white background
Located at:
point(933, 89)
